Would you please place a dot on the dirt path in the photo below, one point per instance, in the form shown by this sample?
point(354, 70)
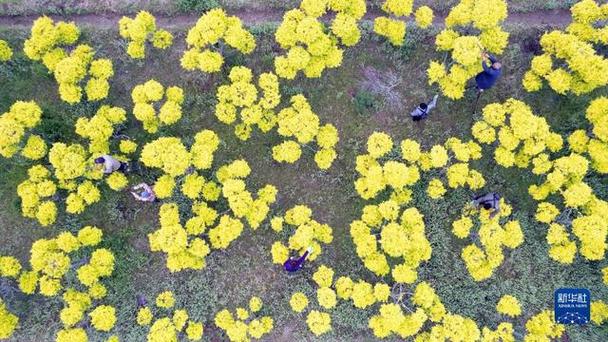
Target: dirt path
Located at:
point(559, 18)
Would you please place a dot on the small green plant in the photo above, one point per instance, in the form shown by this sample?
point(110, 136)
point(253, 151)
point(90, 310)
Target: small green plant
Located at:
point(196, 5)
point(365, 102)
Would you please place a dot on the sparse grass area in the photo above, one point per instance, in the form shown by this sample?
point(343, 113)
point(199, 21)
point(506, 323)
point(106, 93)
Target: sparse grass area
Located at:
point(31, 7)
point(340, 97)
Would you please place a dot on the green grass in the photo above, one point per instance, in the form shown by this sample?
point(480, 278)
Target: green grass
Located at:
point(170, 7)
point(244, 270)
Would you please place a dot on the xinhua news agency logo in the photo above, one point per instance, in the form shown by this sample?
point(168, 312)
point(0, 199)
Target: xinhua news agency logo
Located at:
point(572, 306)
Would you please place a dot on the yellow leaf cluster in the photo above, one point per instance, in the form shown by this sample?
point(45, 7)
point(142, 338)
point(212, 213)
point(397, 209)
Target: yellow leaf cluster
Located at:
point(168, 154)
point(401, 238)
point(103, 317)
point(595, 147)
point(212, 29)
point(47, 39)
point(588, 225)
point(300, 123)
point(298, 302)
point(307, 232)
point(6, 53)
point(73, 171)
point(241, 102)
point(391, 320)
point(584, 69)
point(311, 48)
point(400, 175)
point(14, 125)
point(100, 127)
point(50, 263)
point(8, 320)
point(318, 322)
point(402, 232)
point(48, 43)
point(394, 28)
point(486, 17)
point(508, 305)
point(141, 29)
point(599, 311)
point(184, 249)
point(542, 326)
point(35, 193)
point(246, 325)
point(144, 98)
point(523, 137)
point(493, 235)
point(426, 298)
point(183, 244)
point(169, 327)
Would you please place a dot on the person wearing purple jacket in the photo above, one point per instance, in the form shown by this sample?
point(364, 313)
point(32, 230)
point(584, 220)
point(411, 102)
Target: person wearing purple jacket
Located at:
point(490, 202)
point(490, 74)
point(295, 264)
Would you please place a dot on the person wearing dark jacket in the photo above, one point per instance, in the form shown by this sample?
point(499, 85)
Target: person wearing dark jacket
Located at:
point(490, 74)
point(295, 264)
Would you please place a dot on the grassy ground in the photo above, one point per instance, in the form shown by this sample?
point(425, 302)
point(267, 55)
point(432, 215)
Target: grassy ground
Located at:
point(244, 270)
point(20, 7)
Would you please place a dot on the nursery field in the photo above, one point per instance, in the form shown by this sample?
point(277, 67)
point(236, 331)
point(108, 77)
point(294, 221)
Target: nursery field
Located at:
point(380, 214)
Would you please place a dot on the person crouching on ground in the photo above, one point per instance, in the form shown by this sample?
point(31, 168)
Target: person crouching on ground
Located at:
point(295, 264)
point(110, 164)
point(423, 110)
point(143, 192)
point(489, 202)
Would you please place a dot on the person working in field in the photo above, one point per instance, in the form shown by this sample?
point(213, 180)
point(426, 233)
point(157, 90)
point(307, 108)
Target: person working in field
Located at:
point(143, 192)
point(141, 301)
point(423, 110)
point(489, 202)
point(110, 164)
point(490, 74)
point(295, 264)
